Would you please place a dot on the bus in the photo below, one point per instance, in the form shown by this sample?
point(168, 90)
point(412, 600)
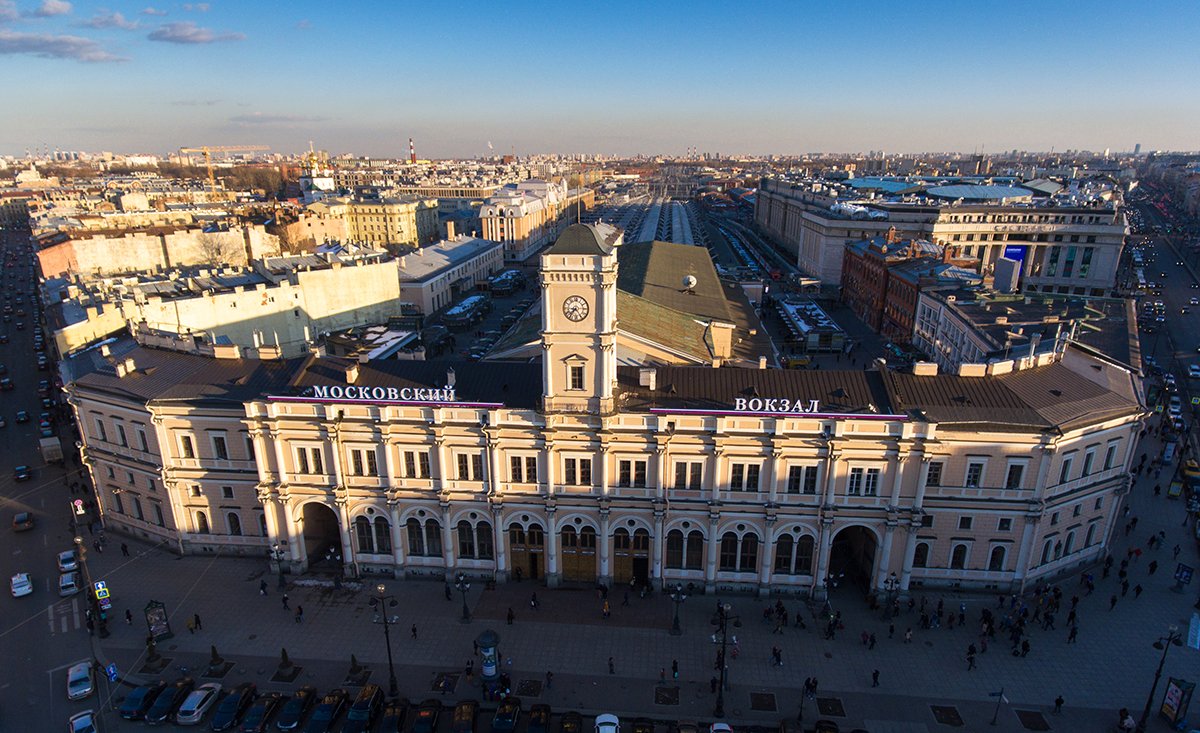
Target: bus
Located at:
point(467, 312)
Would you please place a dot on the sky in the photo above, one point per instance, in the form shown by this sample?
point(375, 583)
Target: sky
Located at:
point(615, 77)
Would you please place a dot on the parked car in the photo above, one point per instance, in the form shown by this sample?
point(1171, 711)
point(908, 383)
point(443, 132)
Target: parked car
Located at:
point(21, 584)
point(463, 720)
point(720, 728)
point(137, 702)
point(81, 680)
point(169, 700)
point(85, 722)
point(258, 717)
point(22, 522)
point(572, 722)
point(539, 719)
point(6, 384)
point(826, 726)
point(1175, 405)
point(327, 712)
point(1193, 371)
point(68, 584)
point(393, 717)
point(294, 710)
point(22, 473)
point(197, 704)
point(365, 710)
point(426, 719)
point(22, 416)
point(231, 708)
point(642, 725)
point(67, 561)
point(608, 723)
point(507, 715)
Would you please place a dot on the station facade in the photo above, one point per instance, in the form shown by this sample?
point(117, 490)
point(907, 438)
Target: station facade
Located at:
point(574, 468)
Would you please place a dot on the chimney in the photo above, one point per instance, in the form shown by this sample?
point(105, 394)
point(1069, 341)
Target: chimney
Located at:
point(648, 378)
point(105, 351)
point(762, 362)
point(947, 254)
point(352, 373)
point(126, 367)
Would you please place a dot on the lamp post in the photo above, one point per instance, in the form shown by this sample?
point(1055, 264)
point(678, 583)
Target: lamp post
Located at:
point(1175, 638)
point(381, 603)
point(722, 620)
point(677, 597)
point(100, 617)
point(277, 556)
point(463, 585)
point(891, 585)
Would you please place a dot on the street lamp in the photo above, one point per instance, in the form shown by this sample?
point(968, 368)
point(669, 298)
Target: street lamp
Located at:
point(677, 597)
point(1175, 638)
point(891, 584)
point(382, 603)
point(93, 602)
point(722, 620)
point(277, 556)
point(463, 585)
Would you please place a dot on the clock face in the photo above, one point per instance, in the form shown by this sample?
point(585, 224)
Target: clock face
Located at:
point(575, 308)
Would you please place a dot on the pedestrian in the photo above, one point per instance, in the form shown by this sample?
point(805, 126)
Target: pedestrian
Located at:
point(511, 616)
point(449, 597)
point(1071, 637)
point(675, 669)
point(91, 626)
point(191, 626)
point(908, 635)
point(262, 587)
point(128, 617)
point(875, 678)
point(662, 676)
point(299, 613)
point(1025, 648)
point(1152, 566)
point(1058, 703)
point(549, 680)
point(413, 630)
point(712, 685)
point(533, 602)
point(196, 618)
point(871, 644)
point(891, 630)
point(1175, 552)
point(605, 611)
point(99, 547)
point(285, 602)
point(124, 550)
point(1137, 590)
point(1124, 588)
point(611, 668)
point(970, 661)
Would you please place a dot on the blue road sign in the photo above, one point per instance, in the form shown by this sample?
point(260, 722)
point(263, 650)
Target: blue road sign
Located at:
point(111, 671)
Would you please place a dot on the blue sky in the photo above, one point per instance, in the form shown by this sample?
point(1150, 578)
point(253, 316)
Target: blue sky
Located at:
point(613, 77)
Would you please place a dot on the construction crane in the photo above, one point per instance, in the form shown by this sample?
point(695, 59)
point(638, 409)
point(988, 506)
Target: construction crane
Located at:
point(208, 150)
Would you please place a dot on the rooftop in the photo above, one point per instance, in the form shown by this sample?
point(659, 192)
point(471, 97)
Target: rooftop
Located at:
point(428, 262)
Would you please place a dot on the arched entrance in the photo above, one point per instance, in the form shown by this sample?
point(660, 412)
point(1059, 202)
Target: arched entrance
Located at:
point(852, 557)
point(632, 557)
point(578, 554)
point(322, 537)
point(526, 548)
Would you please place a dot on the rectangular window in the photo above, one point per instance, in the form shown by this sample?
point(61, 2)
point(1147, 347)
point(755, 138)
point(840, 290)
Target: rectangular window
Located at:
point(220, 449)
point(410, 464)
point(855, 482)
point(639, 474)
point(1064, 474)
point(226, 492)
point(477, 467)
point(372, 464)
point(933, 477)
point(1089, 458)
point(185, 445)
point(1054, 518)
point(318, 465)
point(752, 476)
point(1099, 503)
point(515, 470)
point(356, 462)
point(531, 469)
point(871, 486)
point(585, 471)
point(737, 477)
point(150, 485)
point(576, 373)
point(1016, 471)
point(145, 447)
point(687, 475)
point(302, 460)
point(121, 440)
point(974, 474)
point(964, 522)
point(100, 431)
point(1005, 524)
point(570, 474)
point(129, 479)
point(926, 520)
point(624, 473)
point(1110, 456)
point(464, 467)
point(1077, 510)
point(423, 464)
point(250, 447)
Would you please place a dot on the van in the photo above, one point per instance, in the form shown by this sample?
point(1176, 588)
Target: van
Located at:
point(1169, 451)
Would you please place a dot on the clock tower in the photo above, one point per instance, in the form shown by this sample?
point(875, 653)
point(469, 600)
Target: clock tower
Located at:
point(579, 320)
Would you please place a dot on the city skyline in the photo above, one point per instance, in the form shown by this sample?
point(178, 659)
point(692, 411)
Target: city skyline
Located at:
point(793, 78)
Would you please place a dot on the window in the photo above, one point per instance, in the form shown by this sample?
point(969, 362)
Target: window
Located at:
point(631, 473)
point(1064, 473)
point(250, 448)
point(1110, 456)
point(748, 557)
point(1004, 525)
point(121, 440)
point(470, 466)
point(201, 523)
point(129, 479)
point(871, 485)
point(424, 540)
point(150, 485)
point(854, 482)
point(802, 479)
point(958, 557)
point(964, 522)
point(687, 475)
point(1099, 503)
point(364, 463)
point(1089, 457)
point(186, 446)
point(1077, 510)
point(111, 472)
point(921, 555)
point(1091, 535)
point(996, 558)
point(466, 540)
point(100, 431)
point(220, 449)
point(301, 460)
point(1047, 549)
point(577, 471)
point(364, 535)
point(576, 376)
point(235, 523)
point(308, 460)
point(226, 492)
point(262, 524)
point(145, 447)
point(158, 515)
point(933, 475)
point(416, 464)
point(974, 473)
point(483, 541)
point(416, 537)
point(117, 505)
point(1054, 519)
point(137, 509)
point(1016, 471)
point(744, 477)
point(926, 520)
point(1069, 547)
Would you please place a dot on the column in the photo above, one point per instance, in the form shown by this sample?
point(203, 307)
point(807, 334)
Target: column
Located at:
point(714, 475)
point(493, 482)
point(295, 541)
point(440, 464)
point(885, 557)
point(831, 457)
point(552, 576)
point(548, 461)
point(603, 470)
point(660, 471)
point(349, 561)
point(897, 478)
point(657, 546)
point(766, 560)
point(910, 548)
point(605, 547)
point(280, 459)
point(397, 539)
point(500, 539)
point(922, 482)
point(1027, 539)
point(714, 546)
point(826, 542)
point(447, 540)
point(770, 475)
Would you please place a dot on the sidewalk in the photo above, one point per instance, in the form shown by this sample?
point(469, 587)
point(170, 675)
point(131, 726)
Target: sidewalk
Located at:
point(1111, 666)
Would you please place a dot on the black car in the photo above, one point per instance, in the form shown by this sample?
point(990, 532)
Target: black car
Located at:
point(169, 700)
point(258, 717)
point(426, 719)
point(138, 701)
point(3, 338)
point(463, 720)
point(539, 719)
point(328, 711)
point(365, 710)
point(572, 722)
point(393, 717)
point(6, 384)
point(232, 706)
point(642, 725)
point(294, 710)
point(22, 473)
point(507, 715)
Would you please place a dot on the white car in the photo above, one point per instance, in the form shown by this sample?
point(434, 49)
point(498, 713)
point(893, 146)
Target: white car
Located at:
point(22, 585)
point(80, 680)
point(85, 722)
point(68, 584)
point(1193, 371)
point(67, 561)
point(608, 723)
point(720, 728)
point(1175, 406)
point(197, 704)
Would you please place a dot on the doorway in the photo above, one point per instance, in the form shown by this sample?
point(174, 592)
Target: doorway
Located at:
point(322, 536)
point(525, 548)
point(631, 555)
point(578, 554)
point(852, 558)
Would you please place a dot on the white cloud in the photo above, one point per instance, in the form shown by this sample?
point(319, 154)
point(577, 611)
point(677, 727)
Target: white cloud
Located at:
point(196, 7)
point(51, 46)
point(150, 10)
point(188, 32)
point(8, 10)
point(110, 20)
point(258, 118)
point(50, 8)
point(304, 24)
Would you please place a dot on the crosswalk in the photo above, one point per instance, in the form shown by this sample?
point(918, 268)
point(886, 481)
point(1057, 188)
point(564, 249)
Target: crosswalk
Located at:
point(65, 616)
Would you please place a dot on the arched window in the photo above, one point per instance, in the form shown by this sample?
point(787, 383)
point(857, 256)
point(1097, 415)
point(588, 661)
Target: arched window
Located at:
point(784, 548)
point(729, 552)
point(433, 538)
point(416, 537)
point(1058, 550)
point(675, 549)
point(201, 523)
point(483, 541)
point(383, 536)
point(804, 555)
point(996, 559)
point(1046, 550)
point(262, 524)
point(1090, 537)
point(958, 557)
point(1070, 546)
point(693, 556)
point(921, 555)
point(466, 539)
point(362, 532)
point(748, 557)
point(235, 523)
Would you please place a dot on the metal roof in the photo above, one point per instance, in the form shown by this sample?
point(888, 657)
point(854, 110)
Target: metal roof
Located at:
point(979, 193)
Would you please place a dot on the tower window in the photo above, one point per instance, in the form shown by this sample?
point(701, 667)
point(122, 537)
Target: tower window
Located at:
point(576, 376)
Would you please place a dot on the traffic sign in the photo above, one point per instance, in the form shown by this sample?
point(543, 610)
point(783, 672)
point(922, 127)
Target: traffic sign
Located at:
point(1183, 573)
point(101, 589)
point(78, 506)
point(1196, 400)
point(111, 671)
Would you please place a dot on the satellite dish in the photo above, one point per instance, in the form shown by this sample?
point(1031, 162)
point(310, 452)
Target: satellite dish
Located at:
point(689, 282)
